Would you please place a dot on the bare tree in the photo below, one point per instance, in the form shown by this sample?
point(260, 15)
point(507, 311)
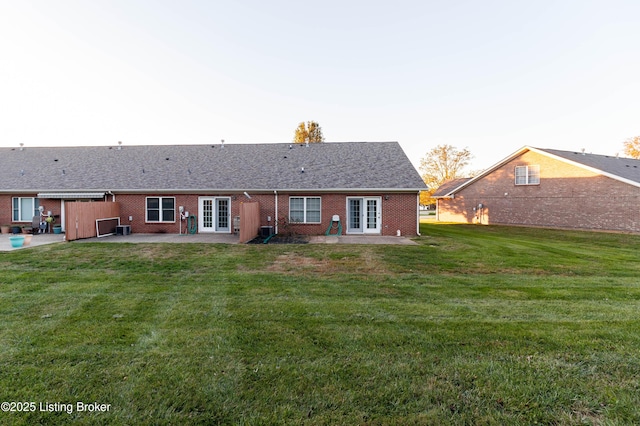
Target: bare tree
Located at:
point(441, 164)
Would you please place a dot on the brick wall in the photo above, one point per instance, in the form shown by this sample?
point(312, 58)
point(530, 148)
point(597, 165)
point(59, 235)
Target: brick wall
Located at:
point(6, 208)
point(567, 197)
point(398, 212)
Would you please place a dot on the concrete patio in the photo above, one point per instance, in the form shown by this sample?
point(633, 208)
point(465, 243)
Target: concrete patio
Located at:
point(41, 239)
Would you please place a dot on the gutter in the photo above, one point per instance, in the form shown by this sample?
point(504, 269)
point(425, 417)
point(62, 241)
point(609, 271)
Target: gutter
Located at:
point(225, 190)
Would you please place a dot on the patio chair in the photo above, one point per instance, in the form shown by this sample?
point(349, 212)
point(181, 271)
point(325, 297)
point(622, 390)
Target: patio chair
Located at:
point(38, 226)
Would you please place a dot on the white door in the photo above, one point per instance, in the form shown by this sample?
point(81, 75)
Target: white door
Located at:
point(214, 214)
point(364, 215)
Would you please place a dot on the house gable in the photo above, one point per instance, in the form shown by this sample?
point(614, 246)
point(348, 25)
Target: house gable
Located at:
point(565, 196)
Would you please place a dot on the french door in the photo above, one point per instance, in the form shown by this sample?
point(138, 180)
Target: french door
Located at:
point(364, 215)
point(214, 214)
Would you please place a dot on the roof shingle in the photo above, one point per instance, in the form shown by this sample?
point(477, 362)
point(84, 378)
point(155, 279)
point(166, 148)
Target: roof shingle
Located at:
point(232, 167)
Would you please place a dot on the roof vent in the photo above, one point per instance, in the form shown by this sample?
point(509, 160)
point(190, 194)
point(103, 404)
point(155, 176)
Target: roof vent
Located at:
point(301, 169)
point(221, 143)
point(119, 145)
point(21, 146)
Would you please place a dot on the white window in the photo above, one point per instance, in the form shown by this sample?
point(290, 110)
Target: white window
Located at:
point(527, 175)
point(161, 209)
point(304, 209)
point(25, 208)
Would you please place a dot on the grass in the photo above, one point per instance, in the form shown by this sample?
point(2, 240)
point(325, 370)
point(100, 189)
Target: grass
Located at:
point(474, 325)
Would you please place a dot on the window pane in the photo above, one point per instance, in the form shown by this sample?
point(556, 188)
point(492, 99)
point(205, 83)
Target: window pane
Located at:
point(534, 175)
point(26, 208)
point(207, 213)
point(313, 217)
point(521, 175)
point(167, 203)
point(296, 216)
point(296, 209)
point(153, 203)
point(313, 204)
point(223, 214)
point(168, 210)
point(153, 215)
point(16, 209)
point(371, 214)
point(168, 216)
point(153, 209)
point(354, 213)
point(313, 210)
point(296, 204)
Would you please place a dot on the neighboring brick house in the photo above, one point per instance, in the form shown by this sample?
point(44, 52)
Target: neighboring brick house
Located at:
point(548, 188)
point(372, 186)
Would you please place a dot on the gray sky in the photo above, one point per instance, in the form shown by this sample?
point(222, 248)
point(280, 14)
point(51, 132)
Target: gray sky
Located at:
point(492, 76)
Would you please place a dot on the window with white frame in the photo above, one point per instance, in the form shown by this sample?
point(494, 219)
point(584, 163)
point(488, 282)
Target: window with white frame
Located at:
point(304, 209)
point(24, 209)
point(161, 209)
point(528, 175)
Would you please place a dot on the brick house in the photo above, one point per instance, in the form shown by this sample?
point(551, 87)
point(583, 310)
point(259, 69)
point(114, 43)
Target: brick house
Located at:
point(371, 186)
point(548, 188)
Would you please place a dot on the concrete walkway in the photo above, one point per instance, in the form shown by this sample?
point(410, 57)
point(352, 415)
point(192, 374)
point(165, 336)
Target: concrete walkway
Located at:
point(37, 240)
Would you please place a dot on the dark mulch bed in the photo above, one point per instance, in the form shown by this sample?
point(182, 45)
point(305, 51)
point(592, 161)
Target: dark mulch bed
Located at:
point(281, 239)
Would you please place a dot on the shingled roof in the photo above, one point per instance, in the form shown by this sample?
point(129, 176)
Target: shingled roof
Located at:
point(623, 169)
point(612, 166)
point(448, 186)
point(356, 166)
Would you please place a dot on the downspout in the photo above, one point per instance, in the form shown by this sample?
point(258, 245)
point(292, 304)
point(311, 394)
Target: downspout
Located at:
point(276, 218)
point(418, 214)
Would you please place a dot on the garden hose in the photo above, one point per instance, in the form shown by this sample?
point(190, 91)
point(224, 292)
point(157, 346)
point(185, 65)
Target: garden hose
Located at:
point(192, 225)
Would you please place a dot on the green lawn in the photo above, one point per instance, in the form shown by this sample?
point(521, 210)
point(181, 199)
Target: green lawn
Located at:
point(475, 325)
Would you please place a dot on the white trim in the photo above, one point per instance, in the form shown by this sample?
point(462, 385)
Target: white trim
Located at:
point(215, 215)
point(528, 168)
point(363, 216)
point(304, 209)
point(146, 209)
